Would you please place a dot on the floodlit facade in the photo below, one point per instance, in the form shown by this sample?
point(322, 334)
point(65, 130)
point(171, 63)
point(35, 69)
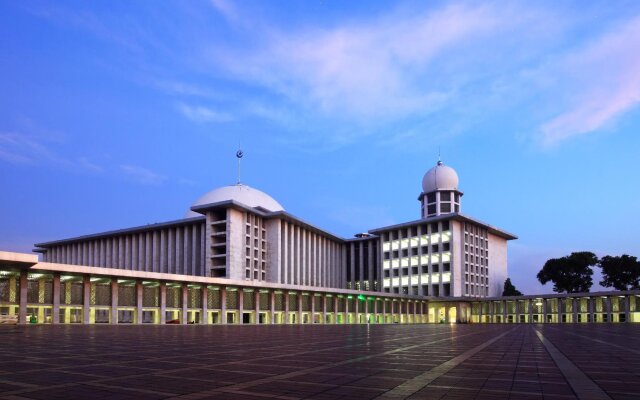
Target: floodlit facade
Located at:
point(238, 257)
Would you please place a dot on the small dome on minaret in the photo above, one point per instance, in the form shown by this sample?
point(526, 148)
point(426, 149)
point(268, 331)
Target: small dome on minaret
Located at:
point(440, 177)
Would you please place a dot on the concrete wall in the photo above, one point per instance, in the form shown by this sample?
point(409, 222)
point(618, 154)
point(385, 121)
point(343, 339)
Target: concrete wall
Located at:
point(497, 264)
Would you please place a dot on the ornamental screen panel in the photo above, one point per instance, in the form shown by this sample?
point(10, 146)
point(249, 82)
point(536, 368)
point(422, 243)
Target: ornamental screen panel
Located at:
point(5, 290)
point(75, 293)
point(599, 304)
point(616, 303)
point(293, 302)
point(174, 297)
point(126, 295)
point(213, 299)
point(151, 296)
point(306, 302)
point(264, 301)
point(329, 303)
point(33, 291)
point(194, 297)
point(279, 301)
point(583, 305)
point(317, 303)
point(340, 304)
point(248, 300)
point(232, 300)
point(101, 294)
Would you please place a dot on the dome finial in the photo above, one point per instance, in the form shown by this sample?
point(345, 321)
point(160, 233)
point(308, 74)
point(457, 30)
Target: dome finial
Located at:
point(439, 159)
point(239, 155)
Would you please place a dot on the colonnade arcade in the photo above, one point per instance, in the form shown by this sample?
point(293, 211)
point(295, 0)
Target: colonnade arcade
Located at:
point(41, 297)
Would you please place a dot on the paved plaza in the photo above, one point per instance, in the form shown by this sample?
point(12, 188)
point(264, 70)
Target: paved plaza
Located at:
point(321, 362)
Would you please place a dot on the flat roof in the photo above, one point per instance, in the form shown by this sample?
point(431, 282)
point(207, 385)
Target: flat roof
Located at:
point(455, 216)
point(117, 232)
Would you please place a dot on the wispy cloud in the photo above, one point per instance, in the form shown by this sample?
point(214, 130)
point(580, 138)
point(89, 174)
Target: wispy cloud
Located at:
point(203, 114)
point(604, 83)
point(142, 175)
point(374, 68)
point(21, 148)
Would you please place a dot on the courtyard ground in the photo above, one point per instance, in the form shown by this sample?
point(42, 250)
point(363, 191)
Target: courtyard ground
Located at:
point(597, 361)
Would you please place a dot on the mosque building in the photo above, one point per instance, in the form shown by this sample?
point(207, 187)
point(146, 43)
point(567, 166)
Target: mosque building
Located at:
point(238, 256)
point(240, 233)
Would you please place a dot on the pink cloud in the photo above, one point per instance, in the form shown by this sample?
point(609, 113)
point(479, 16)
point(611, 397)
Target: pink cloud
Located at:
point(604, 78)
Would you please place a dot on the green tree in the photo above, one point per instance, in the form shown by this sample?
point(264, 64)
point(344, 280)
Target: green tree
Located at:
point(509, 289)
point(623, 273)
point(571, 274)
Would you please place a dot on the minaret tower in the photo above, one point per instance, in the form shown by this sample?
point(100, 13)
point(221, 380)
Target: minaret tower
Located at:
point(440, 194)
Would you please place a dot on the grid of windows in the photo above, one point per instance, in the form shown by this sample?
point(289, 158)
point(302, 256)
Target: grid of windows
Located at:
point(476, 261)
point(255, 248)
point(417, 260)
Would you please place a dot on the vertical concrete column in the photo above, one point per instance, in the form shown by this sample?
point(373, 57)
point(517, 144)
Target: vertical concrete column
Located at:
point(531, 310)
point(627, 308)
point(504, 311)
point(346, 309)
point(185, 303)
point(256, 302)
point(163, 303)
point(286, 307)
point(324, 308)
point(492, 311)
point(366, 311)
point(223, 305)
point(375, 310)
point(356, 309)
point(204, 319)
point(574, 308)
point(139, 293)
point(299, 298)
point(55, 291)
point(544, 310)
point(86, 299)
point(240, 306)
point(384, 311)
point(114, 301)
point(562, 303)
point(393, 311)
point(447, 319)
point(22, 308)
point(406, 306)
point(272, 306)
point(313, 308)
point(335, 309)
point(415, 311)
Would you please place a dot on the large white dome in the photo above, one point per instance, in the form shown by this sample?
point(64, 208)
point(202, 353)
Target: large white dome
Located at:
point(440, 177)
point(240, 193)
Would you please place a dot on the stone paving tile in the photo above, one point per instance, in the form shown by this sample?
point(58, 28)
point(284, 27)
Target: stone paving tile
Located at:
point(316, 362)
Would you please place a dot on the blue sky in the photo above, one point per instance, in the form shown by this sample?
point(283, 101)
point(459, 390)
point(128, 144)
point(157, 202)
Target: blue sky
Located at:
point(117, 114)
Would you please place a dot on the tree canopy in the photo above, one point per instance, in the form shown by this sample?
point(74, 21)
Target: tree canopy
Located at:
point(570, 274)
point(622, 273)
point(510, 289)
